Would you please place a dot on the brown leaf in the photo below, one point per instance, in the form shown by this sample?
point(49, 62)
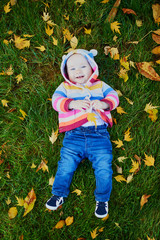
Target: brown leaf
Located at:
point(144, 199)
point(113, 11)
point(157, 32)
point(29, 202)
point(156, 38)
point(146, 70)
point(156, 12)
point(43, 166)
point(128, 11)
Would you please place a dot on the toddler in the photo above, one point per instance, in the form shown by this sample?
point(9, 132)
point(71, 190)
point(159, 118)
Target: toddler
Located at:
point(84, 104)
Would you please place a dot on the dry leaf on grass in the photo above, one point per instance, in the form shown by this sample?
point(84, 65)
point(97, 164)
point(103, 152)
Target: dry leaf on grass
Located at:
point(146, 70)
point(144, 199)
point(12, 213)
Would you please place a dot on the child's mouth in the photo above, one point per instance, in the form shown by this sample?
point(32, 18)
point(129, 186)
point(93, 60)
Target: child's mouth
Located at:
point(79, 77)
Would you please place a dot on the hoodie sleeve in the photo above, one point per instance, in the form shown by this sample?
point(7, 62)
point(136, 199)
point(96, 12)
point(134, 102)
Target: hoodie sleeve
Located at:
point(60, 102)
point(110, 96)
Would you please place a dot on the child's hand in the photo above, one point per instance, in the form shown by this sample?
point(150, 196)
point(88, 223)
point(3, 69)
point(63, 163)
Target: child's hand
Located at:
point(96, 104)
point(80, 104)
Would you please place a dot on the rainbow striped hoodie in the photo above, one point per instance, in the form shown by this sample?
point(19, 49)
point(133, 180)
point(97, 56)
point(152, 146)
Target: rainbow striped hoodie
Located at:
point(93, 89)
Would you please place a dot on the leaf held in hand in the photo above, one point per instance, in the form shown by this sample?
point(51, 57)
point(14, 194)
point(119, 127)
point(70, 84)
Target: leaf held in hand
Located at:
point(92, 117)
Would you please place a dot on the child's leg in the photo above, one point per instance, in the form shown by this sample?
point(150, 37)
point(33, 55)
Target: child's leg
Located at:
point(71, 156)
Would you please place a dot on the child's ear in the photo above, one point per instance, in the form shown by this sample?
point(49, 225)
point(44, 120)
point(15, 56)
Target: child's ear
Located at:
point(94, 52)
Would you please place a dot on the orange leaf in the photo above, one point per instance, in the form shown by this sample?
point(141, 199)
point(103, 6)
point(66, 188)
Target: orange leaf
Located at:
point(146, 70)
point(94, 233)
point(29, 202)
point(60, 224)
point(144, 199)
point(156, 12)
point(69, 221)
point(113, 11)
point(156, 38)
point(128, 11)
point(43, 166)
point(156, 50)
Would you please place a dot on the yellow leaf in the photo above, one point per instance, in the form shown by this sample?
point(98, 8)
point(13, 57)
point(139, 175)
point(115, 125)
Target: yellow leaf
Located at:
point(13, 2)
point(8, 201)
point(119, 93)
point(29, 202)
point(54, 136)
point(21, 43)
point(9, 71)
point(8, 176)
point(23, 113)
point(123, 74)
point(124, 62)
point(6, 42)
point(121, 159)
point(139, 23)
point(24, 59)
point(74, 42)
point(27, 35)
point(156, 12)
point(5, 103)
point(7, 8)
point(67, 34)
point(144, 199)
point(43, 166)
point(115, 27)
point(10, 32)
point(49, 30)
point(119, 143)
point(19, 78)
point(87, 31)
point(105, 218)
point(20, 201)
point(33, 165)
point(120, 110)
point(156, 50)
point(51, 181)
point(149, 107)
point(158, 61)
point(146, 70)
point(129, 101)
point(101, 229)
point(148, 238)
point(115, 38)
point(92, 117)
point(94, 233)
point(66, 17)
point(120, 178)
point(55, 41)
point(12, 212)
point(69, 221)
point(149, 160)
point(80, 1)
point(127, 135)
point(135, 166)
point(60, 224)
point(105, 1)
point(77, 191)
point(153, 115)
point(45, 16)
point(51, 24)
point(130, 178)
point(41, 48)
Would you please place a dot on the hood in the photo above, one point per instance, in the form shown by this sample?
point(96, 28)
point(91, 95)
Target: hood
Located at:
point(89, 55)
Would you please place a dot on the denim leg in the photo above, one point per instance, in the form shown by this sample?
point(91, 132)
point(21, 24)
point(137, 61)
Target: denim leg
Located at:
point(100, 154)
point(71, 156)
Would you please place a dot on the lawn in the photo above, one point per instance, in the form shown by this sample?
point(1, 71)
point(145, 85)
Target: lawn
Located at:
point(34, 35)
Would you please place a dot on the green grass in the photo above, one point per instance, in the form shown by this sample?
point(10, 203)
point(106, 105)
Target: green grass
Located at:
point(26, 142)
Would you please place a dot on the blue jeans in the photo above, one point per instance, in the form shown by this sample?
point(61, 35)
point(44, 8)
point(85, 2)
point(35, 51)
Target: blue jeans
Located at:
point(85, 142)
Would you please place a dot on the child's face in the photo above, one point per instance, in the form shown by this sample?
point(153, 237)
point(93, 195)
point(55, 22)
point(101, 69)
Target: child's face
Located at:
point(78, 69)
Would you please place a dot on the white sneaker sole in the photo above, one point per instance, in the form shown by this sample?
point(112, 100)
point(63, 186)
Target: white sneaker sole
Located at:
point(101, 216)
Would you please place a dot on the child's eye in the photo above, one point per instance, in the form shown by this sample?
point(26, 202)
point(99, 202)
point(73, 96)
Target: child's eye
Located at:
point(84, 66)
point(72, 69)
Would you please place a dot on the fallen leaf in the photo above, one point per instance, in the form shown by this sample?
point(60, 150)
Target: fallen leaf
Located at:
point(105, 218)
point(60, 224)
point(105, 1)
point(10, 32)
point(49, 30)
point(55, 41)
point(149, 160)
point(28, 35)
point(21, 43)
point(9, 71)
point(4, 103)
point(120, 110)
point(13, 2)
point(130, 178)
point(67, 34)
point(120, 178)
point(124, 62)
point(148, 238)
point(7, 8)
point(77, 191)
point(43, 166)
point(29, 202)
point(156, 38)
point(153, 115)
point(20, 201)
point(6, 42)
point(74, 42)
point(149, 107)
point(157, 32)
point(129, 101)
point(128, 11)
point(87, 31)
point(144, 199)
point(117, 225)
point(146, 70)
point(119, 169)
point(94, 233)
point(139, 23)
point(113, 11)
point(115, 27)
point(119, 143)
point(23, 114)
point(8, 201)
point(45, 16)
point(24, 59)
point(8, 176)
point(54, 136)
point(51, 181)
point(51, 24)
point(156, 12)
point(158, 61)
point(41, 48)
point(156, 50)
point(19, 78)
point(69, 221)
point(81, 2)
point(123, 74)
point(12, 212)
point(101, 229)
point(135, 166)
point(66, 17)
point(121, 159)
point(127, 135)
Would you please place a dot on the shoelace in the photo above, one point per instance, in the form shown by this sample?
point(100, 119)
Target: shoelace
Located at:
point(102, 204)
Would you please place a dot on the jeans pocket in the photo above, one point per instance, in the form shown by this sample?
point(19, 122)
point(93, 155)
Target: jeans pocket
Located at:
point(103, 133)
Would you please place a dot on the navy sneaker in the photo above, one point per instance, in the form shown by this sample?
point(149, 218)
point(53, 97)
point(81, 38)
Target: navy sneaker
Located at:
point(54, 202)
point(101, 210)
